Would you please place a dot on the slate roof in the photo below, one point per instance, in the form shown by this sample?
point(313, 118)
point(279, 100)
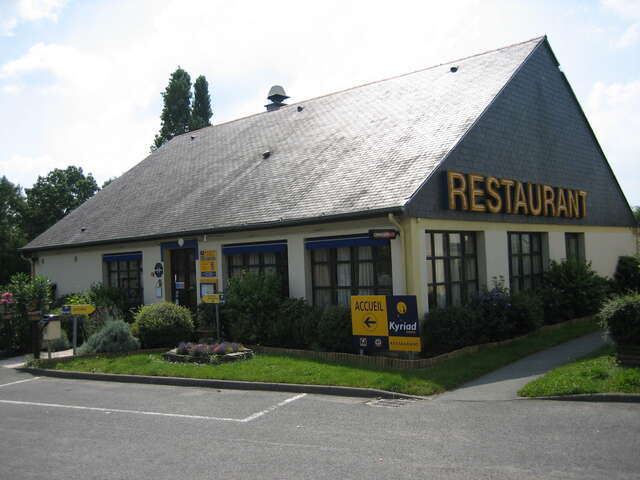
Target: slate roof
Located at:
point(355, 152)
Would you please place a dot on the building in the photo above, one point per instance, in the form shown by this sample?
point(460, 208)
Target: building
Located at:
point(486, 167)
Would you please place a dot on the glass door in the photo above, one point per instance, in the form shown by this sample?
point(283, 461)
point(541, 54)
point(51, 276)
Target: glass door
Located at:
point(183, 278)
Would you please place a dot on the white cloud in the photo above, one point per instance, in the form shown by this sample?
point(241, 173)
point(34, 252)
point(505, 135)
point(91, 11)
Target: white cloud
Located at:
point(613, 112)
point(20, 11)
point(630, 37)
point(629, 9)
point(38, 9)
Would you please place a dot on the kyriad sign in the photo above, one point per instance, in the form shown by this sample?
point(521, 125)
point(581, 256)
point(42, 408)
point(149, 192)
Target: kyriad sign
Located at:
point(380, 322)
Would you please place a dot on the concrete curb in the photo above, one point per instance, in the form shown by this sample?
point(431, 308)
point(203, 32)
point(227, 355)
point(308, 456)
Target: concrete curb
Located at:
point(222, 384)
point(593, 397)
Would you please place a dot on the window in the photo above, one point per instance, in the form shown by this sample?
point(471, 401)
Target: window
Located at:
point(525, 260)
point(124, 271)
point(341, 271)
point(575, 245)
point(261, 258)
point(452, 268)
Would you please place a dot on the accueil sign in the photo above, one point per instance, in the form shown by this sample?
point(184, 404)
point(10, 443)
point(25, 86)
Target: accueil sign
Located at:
point(477, 193)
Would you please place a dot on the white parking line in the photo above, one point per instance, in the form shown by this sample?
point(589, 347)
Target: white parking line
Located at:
point(141, 412)
point(19, 381)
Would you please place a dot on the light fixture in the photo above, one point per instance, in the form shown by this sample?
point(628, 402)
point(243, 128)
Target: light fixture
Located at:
point(181, 242)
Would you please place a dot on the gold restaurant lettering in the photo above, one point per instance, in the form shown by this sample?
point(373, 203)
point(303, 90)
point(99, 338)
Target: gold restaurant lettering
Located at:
point(477, 193)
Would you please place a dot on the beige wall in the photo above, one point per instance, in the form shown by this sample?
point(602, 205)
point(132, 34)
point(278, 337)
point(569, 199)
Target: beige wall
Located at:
point(75, 269)
point(603, 246)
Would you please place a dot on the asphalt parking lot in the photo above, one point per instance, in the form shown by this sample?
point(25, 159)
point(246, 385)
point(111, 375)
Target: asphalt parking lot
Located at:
point(73, 429)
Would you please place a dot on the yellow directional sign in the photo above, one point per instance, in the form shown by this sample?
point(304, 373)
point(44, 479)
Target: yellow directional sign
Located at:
point(82, 309)
point(213, 298)
point(369, 315)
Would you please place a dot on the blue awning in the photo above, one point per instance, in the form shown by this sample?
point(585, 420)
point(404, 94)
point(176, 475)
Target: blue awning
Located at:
point(122, 257)
point(254, 248)
point(337, 242)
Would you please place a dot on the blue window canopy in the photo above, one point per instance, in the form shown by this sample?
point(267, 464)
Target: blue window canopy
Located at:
point(122, 257)
point(174, 245)
point(254, 248)
point(337, 242)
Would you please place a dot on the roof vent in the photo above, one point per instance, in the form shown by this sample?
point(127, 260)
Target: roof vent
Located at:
point(454, 69)
point(300, 108)
point(266, 154)
point(277, 96)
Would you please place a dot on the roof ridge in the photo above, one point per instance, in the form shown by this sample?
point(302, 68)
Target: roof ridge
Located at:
point(393, 77)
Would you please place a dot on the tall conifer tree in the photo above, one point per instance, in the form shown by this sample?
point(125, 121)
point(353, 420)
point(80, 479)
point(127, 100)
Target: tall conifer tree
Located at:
point(176, 112)
point(201, 109)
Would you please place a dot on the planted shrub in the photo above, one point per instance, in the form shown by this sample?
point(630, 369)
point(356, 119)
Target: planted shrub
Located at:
point(447, 329)
point(162, 324)
point(251, 306)
point(621, 316)
point(571, 289)
point(115, 336)
point(526, 313)
point(494, 308)
point(334, 329)
point(295, 325)
point(627, 276)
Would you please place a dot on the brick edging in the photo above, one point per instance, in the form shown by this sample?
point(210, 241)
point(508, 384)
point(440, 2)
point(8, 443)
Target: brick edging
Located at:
point(390, 362)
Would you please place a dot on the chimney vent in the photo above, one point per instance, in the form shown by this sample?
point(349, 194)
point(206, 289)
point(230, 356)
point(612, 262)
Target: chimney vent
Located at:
point(277, 96)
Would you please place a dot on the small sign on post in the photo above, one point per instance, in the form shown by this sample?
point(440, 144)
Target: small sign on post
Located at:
point(380, 322)
point(81, 309)
point(217, 299)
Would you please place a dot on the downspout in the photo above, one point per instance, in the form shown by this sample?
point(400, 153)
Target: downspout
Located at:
point(403, 237)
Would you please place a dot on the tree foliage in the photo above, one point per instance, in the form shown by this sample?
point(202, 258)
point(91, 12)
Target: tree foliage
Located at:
point(201, 109)
point(12, 236)
point(176, 112)
point(54, 196)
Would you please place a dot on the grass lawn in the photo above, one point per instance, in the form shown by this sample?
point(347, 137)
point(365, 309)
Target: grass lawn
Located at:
point(284, 369)
point(597, 372)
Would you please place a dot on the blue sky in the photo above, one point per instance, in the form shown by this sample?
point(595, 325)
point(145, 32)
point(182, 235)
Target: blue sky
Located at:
point(80, 81)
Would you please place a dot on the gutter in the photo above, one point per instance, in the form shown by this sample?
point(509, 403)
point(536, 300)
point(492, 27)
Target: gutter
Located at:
point(400, 228)
point(255, 226)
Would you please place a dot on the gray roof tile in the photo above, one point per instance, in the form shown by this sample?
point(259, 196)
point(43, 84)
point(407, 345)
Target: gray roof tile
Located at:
point(362, 149)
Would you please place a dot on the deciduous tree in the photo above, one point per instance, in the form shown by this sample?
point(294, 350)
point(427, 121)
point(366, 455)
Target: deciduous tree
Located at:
point(176, 112)
point(54, 196)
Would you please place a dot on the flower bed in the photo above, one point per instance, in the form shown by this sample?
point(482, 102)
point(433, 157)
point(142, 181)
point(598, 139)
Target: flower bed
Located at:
point(208, 353)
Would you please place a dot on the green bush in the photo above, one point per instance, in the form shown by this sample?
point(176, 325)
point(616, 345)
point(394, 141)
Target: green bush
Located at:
point(526, 313)
point(295, 325)
point(334, 330)
point(571, 289)
point(447, 329)
point(627, 276)
point(621, 316)
point(112, 300)
point(494, 321)
point(162, 325)
point(251, 306)
point(29, 295)
point(115, 336)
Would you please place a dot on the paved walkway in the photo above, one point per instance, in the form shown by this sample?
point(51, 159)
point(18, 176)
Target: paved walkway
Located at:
point(503, 384)
point(15, 362)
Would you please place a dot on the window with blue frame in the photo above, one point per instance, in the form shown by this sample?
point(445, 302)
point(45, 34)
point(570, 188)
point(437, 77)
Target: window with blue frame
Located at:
point(124, 271)
point(345, 266)
point(260, 258)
